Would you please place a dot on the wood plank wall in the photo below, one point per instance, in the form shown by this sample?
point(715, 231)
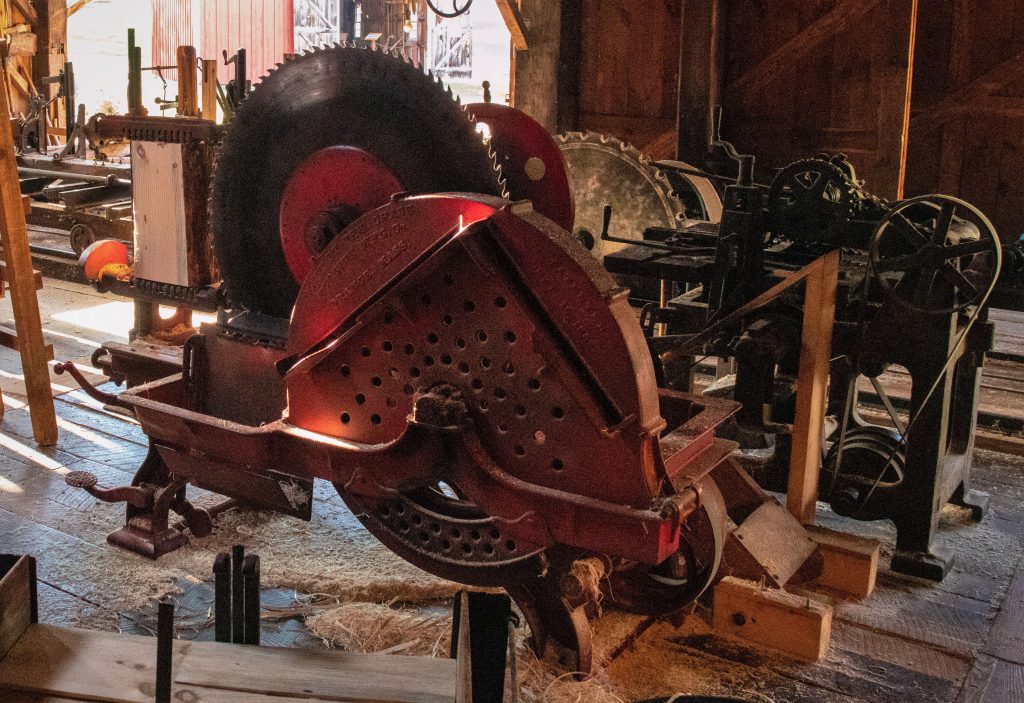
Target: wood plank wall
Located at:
point(798, 77)
point(808, 76)
point(967, 114)
point(629, 67)
point(172, 27)
point(265, 28)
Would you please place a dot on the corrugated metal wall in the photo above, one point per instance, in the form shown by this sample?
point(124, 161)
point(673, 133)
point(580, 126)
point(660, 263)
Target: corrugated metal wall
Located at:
point(172, 27)
point(265, 28)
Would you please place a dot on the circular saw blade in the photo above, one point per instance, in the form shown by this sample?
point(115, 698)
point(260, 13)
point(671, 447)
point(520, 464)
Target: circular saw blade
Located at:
point(338, 96)
point(604, 171)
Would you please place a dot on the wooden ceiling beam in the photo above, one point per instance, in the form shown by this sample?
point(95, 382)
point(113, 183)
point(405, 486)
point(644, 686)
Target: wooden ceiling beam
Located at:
point(813, 36)
point(516, 24)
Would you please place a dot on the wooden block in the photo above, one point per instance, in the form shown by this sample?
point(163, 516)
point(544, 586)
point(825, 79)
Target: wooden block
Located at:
point(793, 624)
point(770, 544)
point(17, 600)
point(849, 562)
point(19, 44)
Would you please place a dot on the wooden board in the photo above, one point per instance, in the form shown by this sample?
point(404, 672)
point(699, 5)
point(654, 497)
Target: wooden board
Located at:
point(1006, 640)
point(121, 669)
point(159, 210)
point(17, 601)
point(630, 63)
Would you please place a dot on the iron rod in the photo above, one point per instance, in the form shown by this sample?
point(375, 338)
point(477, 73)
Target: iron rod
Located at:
point(164, 650)
point(237, 595)
point(251, 578)
point(222, 597)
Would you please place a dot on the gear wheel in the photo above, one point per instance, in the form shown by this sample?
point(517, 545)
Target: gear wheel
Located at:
point(810, 199)
point(338, 96)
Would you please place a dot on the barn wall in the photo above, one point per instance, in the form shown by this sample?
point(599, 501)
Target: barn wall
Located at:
point(172, 27)
point(967, 117)
point(629, 66)
point(265, 28)
point(811, 76)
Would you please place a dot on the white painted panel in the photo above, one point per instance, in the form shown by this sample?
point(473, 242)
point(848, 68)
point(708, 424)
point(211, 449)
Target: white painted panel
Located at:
point(161, 253)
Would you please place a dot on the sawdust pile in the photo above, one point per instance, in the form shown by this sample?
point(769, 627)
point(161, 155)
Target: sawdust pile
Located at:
point(394, 629)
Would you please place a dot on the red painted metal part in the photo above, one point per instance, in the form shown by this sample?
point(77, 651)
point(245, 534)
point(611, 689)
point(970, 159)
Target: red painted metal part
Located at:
point(479, 391)
point(324, 195)
point(531, 162)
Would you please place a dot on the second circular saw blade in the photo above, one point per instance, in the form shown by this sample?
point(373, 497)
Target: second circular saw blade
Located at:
point(604, 170)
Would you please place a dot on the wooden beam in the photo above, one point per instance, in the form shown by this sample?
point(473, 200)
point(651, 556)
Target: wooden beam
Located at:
point(19, 273)
point(812, 388)
point(19, 44)
point(569, 66)
point(52, 28)
point(1009, 71)
point(515, 23)
point(814, 35)
point(536, 71)
point(72, 9)
point(188, 91)
point(700, 76)
point(26, 10)
point(210, 89)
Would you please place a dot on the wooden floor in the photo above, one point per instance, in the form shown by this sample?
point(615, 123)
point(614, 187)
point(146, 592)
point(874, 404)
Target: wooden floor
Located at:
point(961, 640)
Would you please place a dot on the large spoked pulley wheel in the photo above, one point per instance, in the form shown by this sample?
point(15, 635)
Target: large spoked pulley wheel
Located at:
point(936, 255)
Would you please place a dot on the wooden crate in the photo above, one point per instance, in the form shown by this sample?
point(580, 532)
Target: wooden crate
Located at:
point(48, 663)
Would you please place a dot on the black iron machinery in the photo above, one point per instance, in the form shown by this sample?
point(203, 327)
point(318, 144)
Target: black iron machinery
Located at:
point(915, 282)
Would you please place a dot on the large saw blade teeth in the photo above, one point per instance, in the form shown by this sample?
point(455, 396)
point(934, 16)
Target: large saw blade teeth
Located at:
point(370, 99)
point(603, 171)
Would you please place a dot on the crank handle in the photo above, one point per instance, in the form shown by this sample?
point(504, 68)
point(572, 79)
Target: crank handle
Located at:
point(133, 495)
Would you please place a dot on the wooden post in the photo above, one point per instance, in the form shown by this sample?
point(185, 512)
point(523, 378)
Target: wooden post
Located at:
point(14, 235)
point(188, 93)
point(812, 388)
point(210, 89)
point(700, 61)
point(52, 30)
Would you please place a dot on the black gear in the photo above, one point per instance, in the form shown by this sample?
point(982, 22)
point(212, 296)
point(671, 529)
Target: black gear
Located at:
point(809, 200)
point(341, 95)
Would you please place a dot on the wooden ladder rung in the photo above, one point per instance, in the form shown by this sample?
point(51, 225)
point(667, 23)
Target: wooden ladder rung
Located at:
point(9, 339)
point(3, 277)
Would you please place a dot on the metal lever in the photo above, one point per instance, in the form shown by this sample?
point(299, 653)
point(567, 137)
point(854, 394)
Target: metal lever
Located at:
point(133, 495)
point(145, 497)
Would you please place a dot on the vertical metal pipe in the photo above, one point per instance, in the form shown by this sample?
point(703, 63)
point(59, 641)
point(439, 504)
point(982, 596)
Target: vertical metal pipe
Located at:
point(222, 597)
point(164, 650)
point(251, 577)
point(237, 595)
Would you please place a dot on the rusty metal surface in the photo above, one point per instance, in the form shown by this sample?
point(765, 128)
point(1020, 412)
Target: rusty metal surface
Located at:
point(532, 165)
point(176, 130)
